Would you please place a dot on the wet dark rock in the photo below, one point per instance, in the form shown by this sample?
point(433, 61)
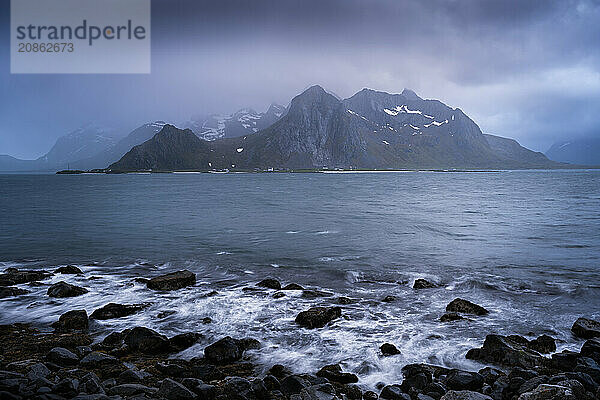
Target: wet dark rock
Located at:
point(132, 375)
point(165, 314)
point(11, 292)
point(225, 350)
point(278, 295)
point(172, 281)
point(37, 371)
point(12, 276)
point(114, 310)
point(271, 382)
point(424, 284)
point(236, 386)
point(334, 373)
point(344, 300)
point(90, 383)
point(586, 328)
point(143, 281)
point(114, 339)
point(96, 359)
point(318, 317)
point(544, 344)
point(393, 392)
point(369, 395)
point(490, 375)
point(172, 390)
point(292, 286)
point(184, 340)
point(63, 289)
point(270, 283)
point(465, 307)
point(464, 380)
point(130, 389)
point(146, 341)
point(505, 351)
point(62, 357)
point(464, 395)
point(206, 320)
point(279, 371)
point(249, 344)
point(565, 361)
point(389, 299)
point(388, 349)
point(72, 320)
point(591, 349)
point(66, 387)
point(68, 269)
point(548, 392)
point(451, 316)
point(294, 384)
point(314, 294)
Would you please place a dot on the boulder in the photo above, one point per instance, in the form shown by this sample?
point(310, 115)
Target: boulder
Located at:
point(61, 356)
point(503, 350)
point(549, 392)
point(114, 310)
point(318, 317)
point(169, 389)
point(68, 270)
point(314, 294)
point(64, 289)
point(389, 299)
point(466, 307)
point(591, 349)
point(184, 340)
point(90, 383)
point(464, 380)
point(393, 392)
point(464, 395)
point(292, 286)
point(11, 292)
point(586, 328)
point(451, 316)
point(334, 373)
point(72, 320)
point(423, 284)
point(270, 283)
point(15, 277)
point(172, 281)
point(388, 349)
point(146, 341)
point(544, 344)
point(223, 351)
point(96, 358)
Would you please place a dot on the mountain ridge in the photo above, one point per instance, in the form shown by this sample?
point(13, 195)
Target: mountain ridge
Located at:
point(369, 130)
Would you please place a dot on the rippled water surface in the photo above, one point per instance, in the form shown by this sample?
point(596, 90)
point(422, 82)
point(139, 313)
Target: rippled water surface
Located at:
point(523, 244)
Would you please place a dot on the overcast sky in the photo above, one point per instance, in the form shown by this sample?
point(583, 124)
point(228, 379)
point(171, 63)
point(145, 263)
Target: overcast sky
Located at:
point(529, 70)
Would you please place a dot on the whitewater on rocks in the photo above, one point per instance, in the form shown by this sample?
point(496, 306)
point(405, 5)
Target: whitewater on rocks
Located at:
point(78, 332)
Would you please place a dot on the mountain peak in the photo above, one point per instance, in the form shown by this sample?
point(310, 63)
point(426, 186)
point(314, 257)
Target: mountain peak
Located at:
point(410, 94)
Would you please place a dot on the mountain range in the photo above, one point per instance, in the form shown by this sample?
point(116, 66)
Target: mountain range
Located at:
point(370, 130)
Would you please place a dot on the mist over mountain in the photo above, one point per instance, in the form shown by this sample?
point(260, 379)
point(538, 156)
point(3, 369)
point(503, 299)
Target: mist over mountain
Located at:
point(243, 122)
point(577, 151)
point(372, 130)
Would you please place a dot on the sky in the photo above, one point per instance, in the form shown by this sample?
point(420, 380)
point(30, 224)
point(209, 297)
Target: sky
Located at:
point(529, 70)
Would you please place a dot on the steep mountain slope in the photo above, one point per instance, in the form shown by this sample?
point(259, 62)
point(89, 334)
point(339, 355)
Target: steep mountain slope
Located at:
point(374, 130)
point(169, 149)
point(115, 152)
point(578, 151)
point(243, 122)
point(511, 150)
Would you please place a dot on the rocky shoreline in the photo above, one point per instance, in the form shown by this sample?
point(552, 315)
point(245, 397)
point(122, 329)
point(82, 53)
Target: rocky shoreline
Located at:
point(139, 363)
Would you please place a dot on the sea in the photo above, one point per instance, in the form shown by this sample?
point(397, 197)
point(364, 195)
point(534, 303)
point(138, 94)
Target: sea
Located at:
point(523, 244)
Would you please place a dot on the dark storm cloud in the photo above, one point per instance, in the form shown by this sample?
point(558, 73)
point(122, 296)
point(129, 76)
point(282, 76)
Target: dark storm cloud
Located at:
point(523, 69)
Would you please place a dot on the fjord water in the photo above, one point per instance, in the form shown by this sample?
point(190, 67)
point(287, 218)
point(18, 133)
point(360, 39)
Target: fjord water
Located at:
point(524, 244)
